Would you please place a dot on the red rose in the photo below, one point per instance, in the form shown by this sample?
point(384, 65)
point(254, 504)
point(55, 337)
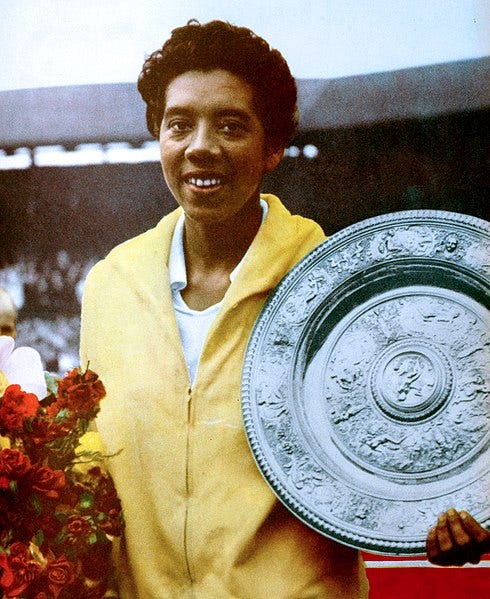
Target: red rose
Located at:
point(78, 526)
point(71, 495)
point(112, 526)
point(7, 577)
point(16, 406)
point(19, 570)
point(47, 482)
point(61, 574)
point(48, 523)
point(14, 464)
point(108, 501)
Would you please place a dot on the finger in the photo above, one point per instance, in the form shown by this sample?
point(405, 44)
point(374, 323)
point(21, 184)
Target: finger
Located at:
point(457, 529)
point(467, 548)
point(431, 546)
point(474, 529)
point(481, 536)
point(450, 553)
point(443, 534)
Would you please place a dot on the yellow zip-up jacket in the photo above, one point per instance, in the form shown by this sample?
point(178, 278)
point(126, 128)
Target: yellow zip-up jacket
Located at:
point(201, 522)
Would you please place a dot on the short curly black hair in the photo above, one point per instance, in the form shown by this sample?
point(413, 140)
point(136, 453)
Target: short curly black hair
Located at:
point(221, 45)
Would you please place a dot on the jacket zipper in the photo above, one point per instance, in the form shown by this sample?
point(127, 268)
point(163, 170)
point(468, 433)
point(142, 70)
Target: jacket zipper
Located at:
point(187, 489)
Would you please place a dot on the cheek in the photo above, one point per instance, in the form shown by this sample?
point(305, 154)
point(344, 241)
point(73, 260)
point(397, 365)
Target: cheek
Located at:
point(169, 180)
point(253, 161)
point(168, 162)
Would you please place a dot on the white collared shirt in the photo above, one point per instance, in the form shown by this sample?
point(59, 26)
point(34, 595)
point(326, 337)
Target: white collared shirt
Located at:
point(193, 324)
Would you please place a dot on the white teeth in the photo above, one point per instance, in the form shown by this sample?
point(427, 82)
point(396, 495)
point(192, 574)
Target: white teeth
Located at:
point(204, 182)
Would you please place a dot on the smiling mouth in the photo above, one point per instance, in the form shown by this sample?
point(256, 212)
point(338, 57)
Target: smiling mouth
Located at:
point(204, 183)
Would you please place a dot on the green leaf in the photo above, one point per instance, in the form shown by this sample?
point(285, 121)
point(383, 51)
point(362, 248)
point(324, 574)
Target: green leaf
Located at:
point(102, 538)
point(86, 500)
point(36, 504)
point(92, 540)
point(62, 414)
point(60, 537)
point(84, 424)
point(51, 383)
point(39, 538)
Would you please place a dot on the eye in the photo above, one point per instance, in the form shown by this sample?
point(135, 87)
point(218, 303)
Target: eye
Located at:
point(232, 128)
point(179, 125)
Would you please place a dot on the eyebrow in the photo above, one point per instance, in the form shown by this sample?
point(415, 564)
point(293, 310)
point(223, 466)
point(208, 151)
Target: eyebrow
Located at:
point(236, 112)
point(174, 110)
point(220, 113)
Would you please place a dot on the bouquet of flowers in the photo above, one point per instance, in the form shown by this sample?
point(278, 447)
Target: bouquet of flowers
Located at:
point(58, 509)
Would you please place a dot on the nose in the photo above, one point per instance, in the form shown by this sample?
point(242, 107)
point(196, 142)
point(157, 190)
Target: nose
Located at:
point(203, 143)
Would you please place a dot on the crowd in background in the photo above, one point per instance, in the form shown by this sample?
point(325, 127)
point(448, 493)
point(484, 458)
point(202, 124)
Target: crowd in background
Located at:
point(47, 294)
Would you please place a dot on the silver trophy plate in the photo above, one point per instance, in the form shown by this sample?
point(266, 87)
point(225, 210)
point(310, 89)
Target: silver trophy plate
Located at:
point(366, 380)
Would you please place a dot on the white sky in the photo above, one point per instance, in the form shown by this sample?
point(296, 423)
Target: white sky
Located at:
point(68, 42)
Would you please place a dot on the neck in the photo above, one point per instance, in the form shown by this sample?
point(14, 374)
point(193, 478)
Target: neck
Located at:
point(221, 246)
point(213, 250)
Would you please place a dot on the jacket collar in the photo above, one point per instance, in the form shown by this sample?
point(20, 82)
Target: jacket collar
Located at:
point(271, 254)
point(269, 257)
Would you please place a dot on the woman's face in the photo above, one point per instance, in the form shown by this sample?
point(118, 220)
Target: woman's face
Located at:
point(212, 145)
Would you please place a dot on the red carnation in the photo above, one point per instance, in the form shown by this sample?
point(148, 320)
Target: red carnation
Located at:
point(61, 573)
point(53, 409)
point(44, 431)
point(71, 495)
point(47, 482)
point(16, 406)
point(14, 464)
point(80, 392)
point(41, 440)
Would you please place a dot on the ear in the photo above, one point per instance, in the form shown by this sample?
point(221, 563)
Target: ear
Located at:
point(272, 158)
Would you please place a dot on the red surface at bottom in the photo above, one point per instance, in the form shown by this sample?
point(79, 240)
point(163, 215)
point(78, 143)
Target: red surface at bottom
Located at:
point(429, 583)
